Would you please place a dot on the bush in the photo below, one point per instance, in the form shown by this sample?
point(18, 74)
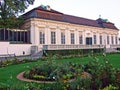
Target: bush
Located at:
point(39, 77)
point(118, 77)
point(110, 87)
point(103, 73)
point(78, 52)
point(94, 75)
point(98, 74)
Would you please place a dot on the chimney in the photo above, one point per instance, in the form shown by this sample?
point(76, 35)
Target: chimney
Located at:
point(48, 7)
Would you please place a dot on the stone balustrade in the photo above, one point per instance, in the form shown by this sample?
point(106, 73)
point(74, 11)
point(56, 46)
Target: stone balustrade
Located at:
point(114, 46)
point(62, 47)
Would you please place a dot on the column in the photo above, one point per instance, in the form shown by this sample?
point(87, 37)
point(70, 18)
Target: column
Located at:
point(58, 36)
point(67, 36)
point(29, 36)
point(114, 40)
point(76, 37)
point(37, 39)
point(92, 35)
point(32, 33)
point(97, 38)
point(104, 42)
point(84, 38)
point(110, 39)
point(47, 36)
point(4, 34)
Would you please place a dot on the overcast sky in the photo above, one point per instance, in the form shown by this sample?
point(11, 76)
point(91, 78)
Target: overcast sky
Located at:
point(91, 9)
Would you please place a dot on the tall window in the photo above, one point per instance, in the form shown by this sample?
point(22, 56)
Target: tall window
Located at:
point(42, 38)
point(108, 42)
point(72, 38)
point(112, 41)
point(100, 39)
point(116, 40)
point(62, 38)
point(53, 37)
point(94, 39)
point(80, 39)
point(18, 36)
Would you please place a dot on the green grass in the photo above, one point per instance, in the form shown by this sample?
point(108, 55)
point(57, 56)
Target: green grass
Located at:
point(10, 72)
point(114, 59)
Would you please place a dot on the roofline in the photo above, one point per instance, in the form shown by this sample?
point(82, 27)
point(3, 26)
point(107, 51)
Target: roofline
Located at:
point(56, 12)
point(70, 23)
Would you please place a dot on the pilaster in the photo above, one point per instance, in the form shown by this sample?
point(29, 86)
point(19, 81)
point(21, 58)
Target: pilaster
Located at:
point(67, 36)
point(58, 36)
point(84, 38)
point(76, 37)
point(32, 33)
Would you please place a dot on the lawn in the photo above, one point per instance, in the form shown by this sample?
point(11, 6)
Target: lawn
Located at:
point(8, 74)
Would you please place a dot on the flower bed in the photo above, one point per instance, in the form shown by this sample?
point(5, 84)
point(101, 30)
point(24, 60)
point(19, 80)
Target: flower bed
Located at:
point(50, 72)
point(92, 76)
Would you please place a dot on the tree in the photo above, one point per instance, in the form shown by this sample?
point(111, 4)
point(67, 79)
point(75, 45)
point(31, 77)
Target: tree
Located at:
point(9, 10)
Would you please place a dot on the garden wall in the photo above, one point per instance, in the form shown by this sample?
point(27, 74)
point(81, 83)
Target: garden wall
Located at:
point(17, 49)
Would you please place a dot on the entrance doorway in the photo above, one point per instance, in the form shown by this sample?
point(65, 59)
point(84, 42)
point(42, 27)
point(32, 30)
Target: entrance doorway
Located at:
point(89, 41)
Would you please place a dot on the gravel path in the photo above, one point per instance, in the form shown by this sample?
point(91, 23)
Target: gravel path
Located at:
point(20, 77)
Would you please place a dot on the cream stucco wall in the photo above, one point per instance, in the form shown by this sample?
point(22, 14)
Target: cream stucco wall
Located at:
point(17, 49)
point(47, 26)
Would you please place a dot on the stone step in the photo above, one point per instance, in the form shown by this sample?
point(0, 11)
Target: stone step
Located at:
point(110, 50)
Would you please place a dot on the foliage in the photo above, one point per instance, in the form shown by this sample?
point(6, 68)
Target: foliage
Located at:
point(11, 22)
point(80, 84)
point(75, 52)
point(118, 77)
point(50, 71)
point(10, 9)
point(7, 62)
point(44, 58)
point(92, 76)
point(110, 87)
point(103, 73)
point(81, 63)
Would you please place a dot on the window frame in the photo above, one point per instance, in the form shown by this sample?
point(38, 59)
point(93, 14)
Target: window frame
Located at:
point(72, 36)
point(53, 37)
point(62, 37)
point(42, 37)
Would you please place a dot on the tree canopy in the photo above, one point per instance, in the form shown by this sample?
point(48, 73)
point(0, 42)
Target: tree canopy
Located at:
point(9, 10)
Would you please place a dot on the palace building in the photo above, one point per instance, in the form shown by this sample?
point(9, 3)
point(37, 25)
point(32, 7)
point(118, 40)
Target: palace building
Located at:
point(48, 29)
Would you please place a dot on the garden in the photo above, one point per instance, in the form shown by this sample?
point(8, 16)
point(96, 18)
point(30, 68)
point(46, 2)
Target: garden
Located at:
point(92, 72)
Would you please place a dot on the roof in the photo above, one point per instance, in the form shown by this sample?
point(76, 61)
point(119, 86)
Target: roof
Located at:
point(45, 12)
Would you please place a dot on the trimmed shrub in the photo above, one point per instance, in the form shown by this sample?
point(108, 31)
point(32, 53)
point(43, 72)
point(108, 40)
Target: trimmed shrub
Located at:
point(73, 52)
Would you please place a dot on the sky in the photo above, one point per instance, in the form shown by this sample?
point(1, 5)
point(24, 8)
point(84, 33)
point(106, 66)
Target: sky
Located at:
point(91, 9)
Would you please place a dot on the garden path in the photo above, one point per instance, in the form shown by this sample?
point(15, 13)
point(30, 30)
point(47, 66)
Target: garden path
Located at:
point(20, 77)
